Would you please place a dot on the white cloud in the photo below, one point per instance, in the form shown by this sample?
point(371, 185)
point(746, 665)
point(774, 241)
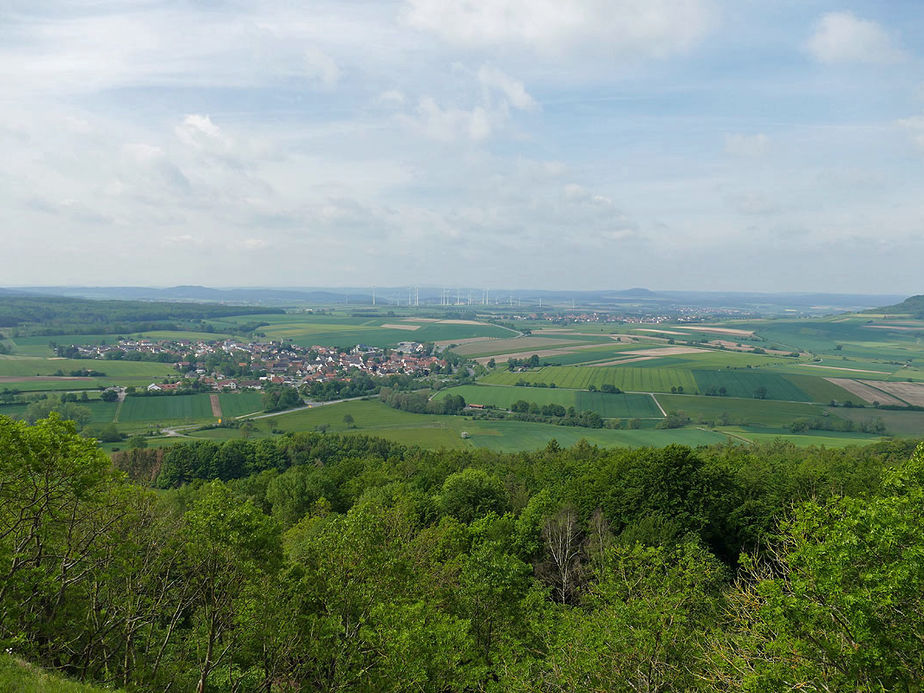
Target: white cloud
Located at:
point(320, 66)
point(747, 145)
point(915, 128)
point(392, 97)
point(842, 37)
point(448, 124)
point(513, 90)
point(615, 27)
point(200, 132)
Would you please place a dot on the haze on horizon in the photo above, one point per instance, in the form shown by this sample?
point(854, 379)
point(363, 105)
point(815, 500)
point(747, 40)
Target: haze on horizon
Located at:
point(683, 144)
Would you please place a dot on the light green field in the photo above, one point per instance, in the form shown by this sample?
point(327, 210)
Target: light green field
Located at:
point(605, 404)
point(626, 378)
point(756, 411)
point(39, 345)
point(820, 390)
point(517, 345)
point(374, 418)
point(235, 404)
point(907, 424)
point(829, 439)
point(746, 382)
point(123, 372)
point(166, 408)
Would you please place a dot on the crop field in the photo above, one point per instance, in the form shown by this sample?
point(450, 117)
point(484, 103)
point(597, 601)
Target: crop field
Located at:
point(128, 372)
point(739, 411)
point(235, 404)
point(166, 408)
point(607, 405)
point(744, 383)
point(828, 439)
point(821, 390)
point(627, 378)
point(515, 345)
point(900, 423)
point(103, 412)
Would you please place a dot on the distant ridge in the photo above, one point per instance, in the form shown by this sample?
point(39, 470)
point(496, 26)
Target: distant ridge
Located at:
point(914, 305)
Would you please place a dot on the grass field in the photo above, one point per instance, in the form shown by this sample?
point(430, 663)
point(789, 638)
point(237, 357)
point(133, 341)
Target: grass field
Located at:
point(166, 408)
point(829, 439)
point(820, 390)
point(627, 378)
point(744, 383)
point(739, 411)
point(606, 405)
point(374, 418)
point(909, 424)
point(239, 403)
point(125, 372)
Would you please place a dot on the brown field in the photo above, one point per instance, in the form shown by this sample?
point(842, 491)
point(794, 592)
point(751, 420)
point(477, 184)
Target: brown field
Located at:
point(865, 391)
point(896, 327)
point(666, 351)
point(718, 330)
point(409, 328)
point(216, 406)
point(912, 393)
point(620, 362)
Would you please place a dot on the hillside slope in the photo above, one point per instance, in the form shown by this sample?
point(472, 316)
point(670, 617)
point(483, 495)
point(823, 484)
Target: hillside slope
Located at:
point(912, 306)
point(22, 677)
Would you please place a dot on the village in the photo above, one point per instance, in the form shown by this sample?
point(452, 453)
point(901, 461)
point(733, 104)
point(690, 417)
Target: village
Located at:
point(236, 364)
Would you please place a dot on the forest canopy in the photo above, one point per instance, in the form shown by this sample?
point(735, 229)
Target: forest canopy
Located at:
point(325, 562)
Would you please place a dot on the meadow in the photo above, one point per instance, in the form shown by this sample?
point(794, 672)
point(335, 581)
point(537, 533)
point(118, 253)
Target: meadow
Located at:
point(628, 378)
point(605, 404)
point(769, 413)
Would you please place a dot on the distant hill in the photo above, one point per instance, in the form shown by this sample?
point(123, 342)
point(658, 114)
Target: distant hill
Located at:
point(912, 306)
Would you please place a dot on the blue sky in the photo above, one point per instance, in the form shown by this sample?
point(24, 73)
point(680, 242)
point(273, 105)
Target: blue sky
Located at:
point(672, 144)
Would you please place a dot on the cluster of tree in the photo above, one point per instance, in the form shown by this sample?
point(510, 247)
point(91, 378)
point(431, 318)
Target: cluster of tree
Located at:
point(555, 414)
point(280, 397)
point(609, 388)
point(80, 373)
point(531, 362)
point(713, 391)
point(421, 402)
point(833, 423)
point(532, 383)
point(674, 419)
point(64, 405)
point(359, 385)
point(346, 563)
point(160, 357)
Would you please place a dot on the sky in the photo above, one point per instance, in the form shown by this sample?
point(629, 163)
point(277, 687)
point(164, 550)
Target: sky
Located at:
point(753, 145)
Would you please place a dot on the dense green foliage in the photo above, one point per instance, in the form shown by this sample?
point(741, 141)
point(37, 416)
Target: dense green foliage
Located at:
point(320, 562)
point(88, 316)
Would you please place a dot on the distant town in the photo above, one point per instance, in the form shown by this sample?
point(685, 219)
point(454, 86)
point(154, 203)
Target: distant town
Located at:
point(232, 364)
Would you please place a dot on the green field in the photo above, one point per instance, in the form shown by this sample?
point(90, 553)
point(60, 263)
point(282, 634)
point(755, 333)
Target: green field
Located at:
point(374, 418)
point(125, 372)
point(605, 404)
point(755, 411)
point(909, 424)
point(166, 408)
point(628, 378)
point(235, 404)
point(829, 439)
point(744, 383)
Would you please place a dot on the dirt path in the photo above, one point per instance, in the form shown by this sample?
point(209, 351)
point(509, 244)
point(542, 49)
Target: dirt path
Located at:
point(216, 406)
point(663, 413)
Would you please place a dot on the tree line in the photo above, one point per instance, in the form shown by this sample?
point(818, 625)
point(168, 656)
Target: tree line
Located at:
point(349, 563)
